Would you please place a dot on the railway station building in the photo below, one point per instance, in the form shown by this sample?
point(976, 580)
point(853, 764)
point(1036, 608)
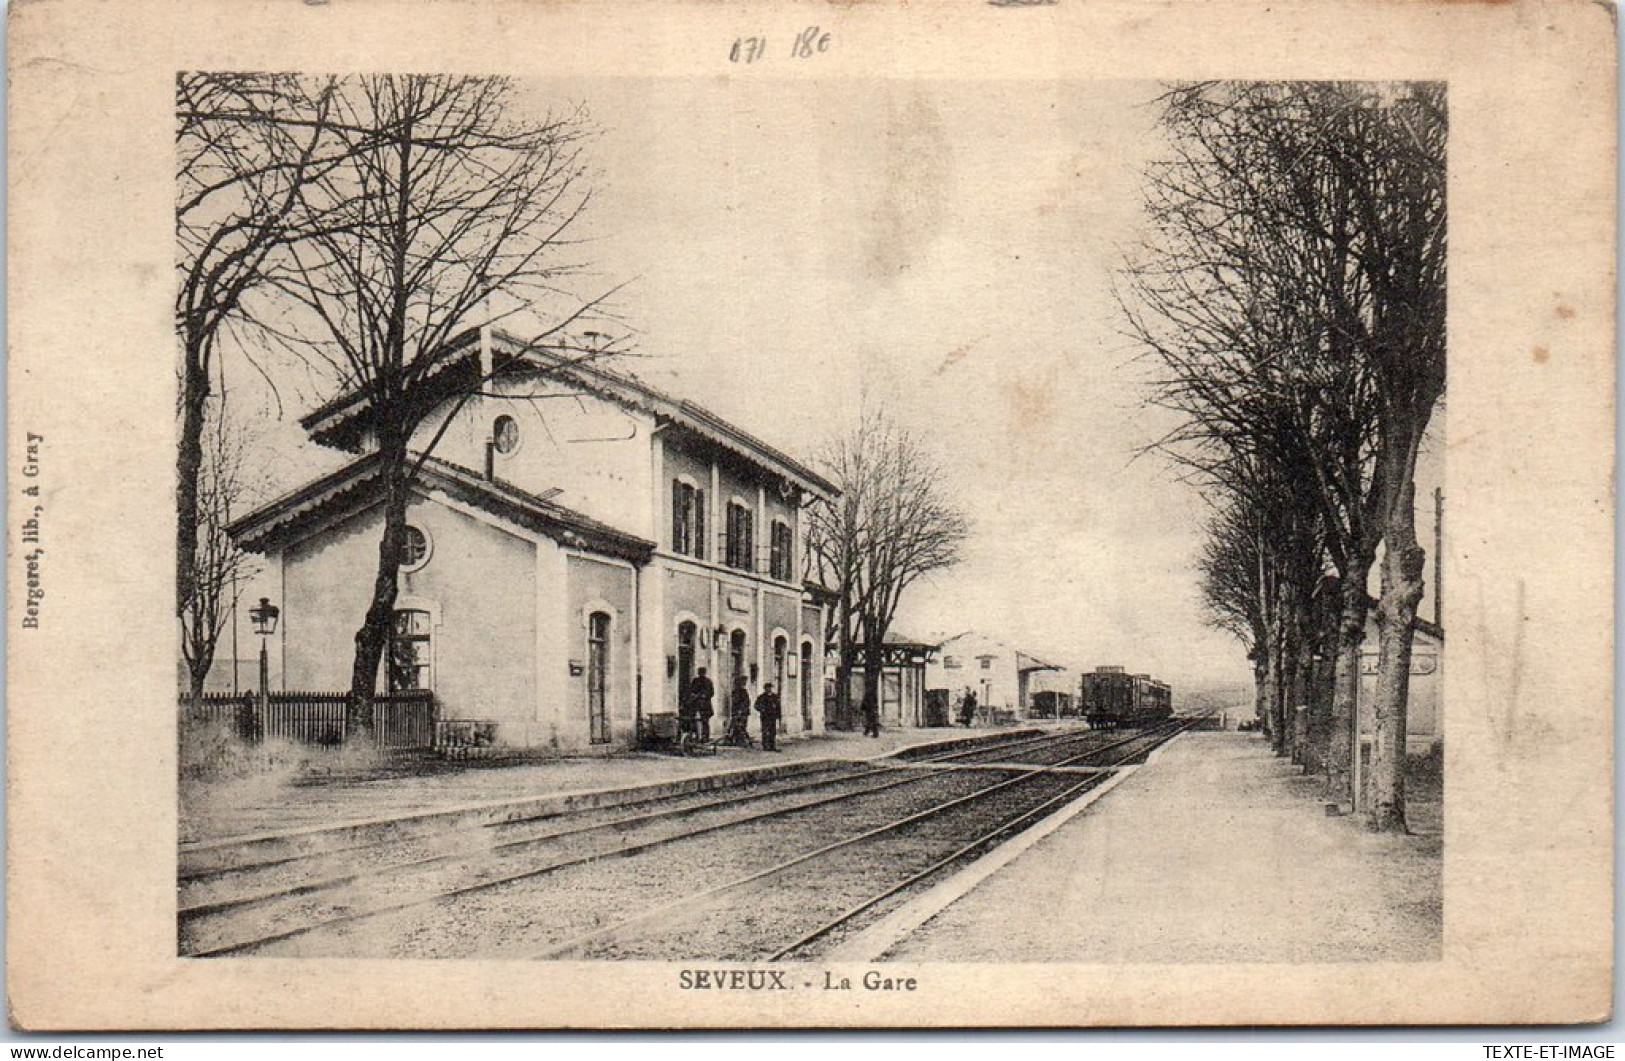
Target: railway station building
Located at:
point(1000, 675)
point(579, 544)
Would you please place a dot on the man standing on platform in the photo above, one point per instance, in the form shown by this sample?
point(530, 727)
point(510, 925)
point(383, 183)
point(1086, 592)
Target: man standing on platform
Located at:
point(967, 708)
point(739, 713)
point(697, 703)
point(767, 706)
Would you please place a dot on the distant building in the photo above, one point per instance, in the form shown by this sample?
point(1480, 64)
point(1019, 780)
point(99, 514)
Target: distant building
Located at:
point(1424, 729)
point(999, 674)
point(1054, 693)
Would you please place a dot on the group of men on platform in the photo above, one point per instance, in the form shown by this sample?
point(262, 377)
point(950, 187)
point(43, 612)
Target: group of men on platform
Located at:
point(695, 710)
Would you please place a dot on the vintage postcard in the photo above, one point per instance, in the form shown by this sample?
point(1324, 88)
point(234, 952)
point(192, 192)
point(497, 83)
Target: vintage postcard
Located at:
point(546, 515)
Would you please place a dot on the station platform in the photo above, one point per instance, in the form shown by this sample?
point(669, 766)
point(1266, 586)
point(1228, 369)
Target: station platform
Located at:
point(303, 801)
point(1214, 851)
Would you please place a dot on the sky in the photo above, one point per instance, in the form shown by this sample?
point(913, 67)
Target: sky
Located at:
point(946, 250)
point(792, 249)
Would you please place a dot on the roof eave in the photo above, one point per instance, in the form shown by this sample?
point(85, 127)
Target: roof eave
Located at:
point(335, 423)
point(279, 522)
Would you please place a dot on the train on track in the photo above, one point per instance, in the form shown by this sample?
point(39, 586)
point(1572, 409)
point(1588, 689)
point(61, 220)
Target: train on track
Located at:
point(1111, 697)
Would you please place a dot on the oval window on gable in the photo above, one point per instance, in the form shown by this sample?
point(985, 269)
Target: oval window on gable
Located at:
point(505, 434)
point(415, 551)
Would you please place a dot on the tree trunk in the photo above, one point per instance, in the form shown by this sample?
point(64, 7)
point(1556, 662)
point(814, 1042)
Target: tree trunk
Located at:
point(874, 665)
point(1305, 696)
point(188, 470)
point(1328, 622)
point(1289, 699)
point(1272, 690)
point(1403, 562)
point(1300, 682)
point(1279, 721)
point(846, 664)
point(198, 671)
point(394, 430)
point(1261, 700)
point(372, 639)
point(1340, 745)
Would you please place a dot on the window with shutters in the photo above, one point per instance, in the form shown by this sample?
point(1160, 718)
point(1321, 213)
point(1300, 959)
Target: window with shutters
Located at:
point(782, 564)
point(741, 538)
point(687, 519)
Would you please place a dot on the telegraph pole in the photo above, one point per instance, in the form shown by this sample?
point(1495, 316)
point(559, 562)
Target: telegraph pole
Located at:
point(1438, 556)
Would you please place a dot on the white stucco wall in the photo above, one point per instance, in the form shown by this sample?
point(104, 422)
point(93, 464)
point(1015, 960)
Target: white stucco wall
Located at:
point(594, 585)
point(595, 452)
point(478, 586)
point(996, 686)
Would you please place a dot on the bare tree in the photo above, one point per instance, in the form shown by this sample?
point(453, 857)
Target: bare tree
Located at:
point(1225, 299)
point(221, 569)
point(1262, 566)
point(1403, 150)
point(451, 211)
point(1236, 598)
point(890, 527)
point(248, 147)
point(1297, 299)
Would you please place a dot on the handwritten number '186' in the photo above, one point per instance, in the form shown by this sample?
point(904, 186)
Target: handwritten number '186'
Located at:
point(809, 42)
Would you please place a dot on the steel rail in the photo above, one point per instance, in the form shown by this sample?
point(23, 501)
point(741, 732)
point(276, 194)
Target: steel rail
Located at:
point(690, 903)
point(293, 891)
point(191, 915)
point(800, 783)
point(980, 842)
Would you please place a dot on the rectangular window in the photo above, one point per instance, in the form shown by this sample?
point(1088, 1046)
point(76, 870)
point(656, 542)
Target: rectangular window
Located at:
point(687, 519)
point(950, 662)
point(679, 516)
point(699, 525)
point(987, 662)
point(741, 546)
point(781, 564)
point(409, 655)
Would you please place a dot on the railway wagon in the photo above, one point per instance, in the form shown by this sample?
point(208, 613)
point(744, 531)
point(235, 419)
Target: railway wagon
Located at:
point(1153, 700)
point(1111, 697)
point(1107, 696)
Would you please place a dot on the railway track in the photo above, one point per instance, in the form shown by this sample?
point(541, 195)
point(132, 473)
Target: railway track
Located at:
point(837, 882)
point(277, 905)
